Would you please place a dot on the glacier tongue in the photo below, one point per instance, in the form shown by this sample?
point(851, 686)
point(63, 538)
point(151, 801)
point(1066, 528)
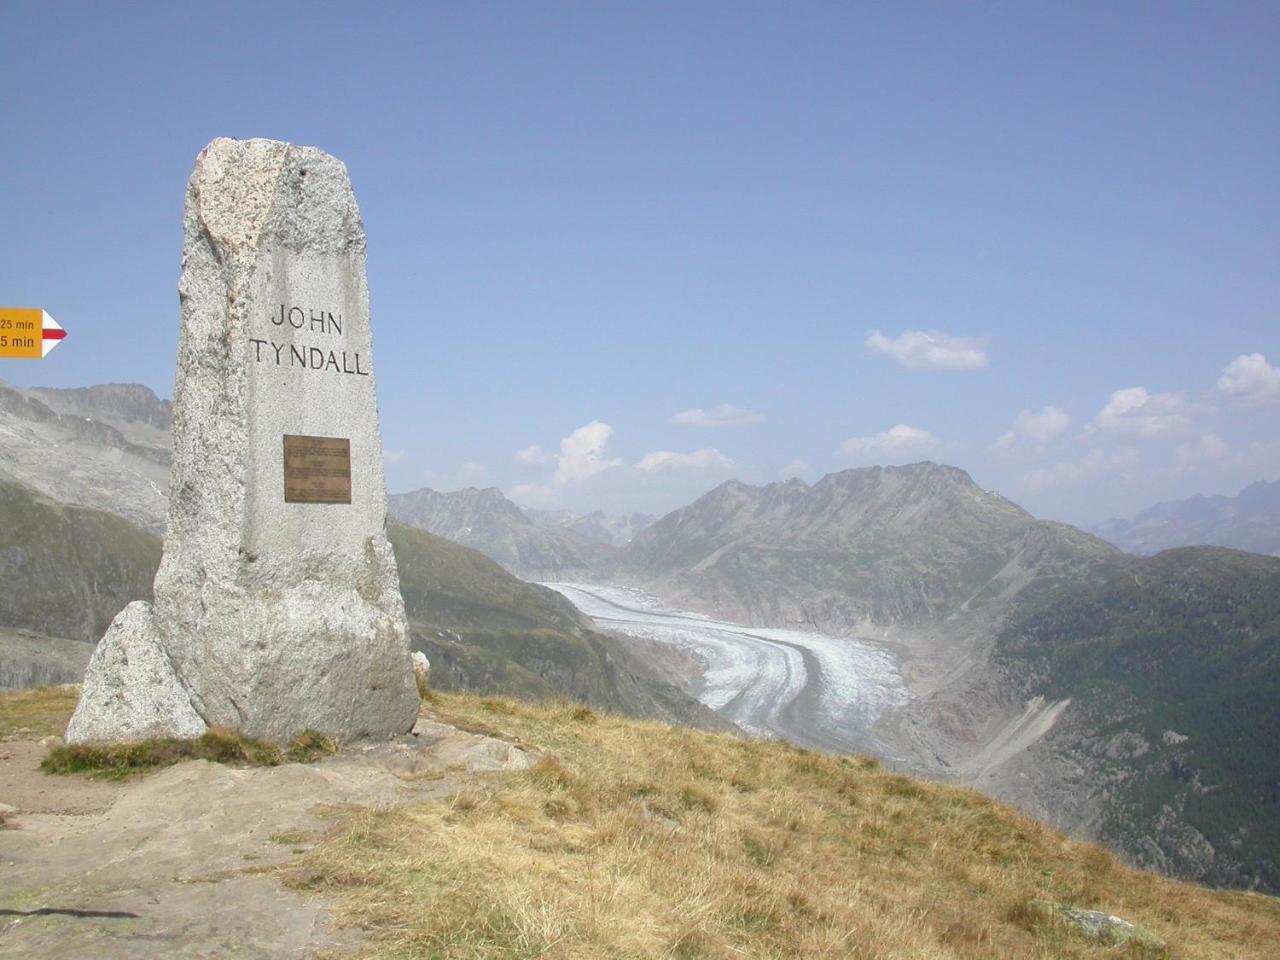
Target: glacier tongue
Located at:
point(813, 689)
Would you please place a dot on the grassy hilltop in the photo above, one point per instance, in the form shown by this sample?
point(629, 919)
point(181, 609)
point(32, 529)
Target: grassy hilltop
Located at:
point(637, 839)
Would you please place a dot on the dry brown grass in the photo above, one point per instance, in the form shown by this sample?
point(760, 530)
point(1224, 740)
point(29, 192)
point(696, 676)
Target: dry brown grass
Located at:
point(641, 840)
point(36, 713)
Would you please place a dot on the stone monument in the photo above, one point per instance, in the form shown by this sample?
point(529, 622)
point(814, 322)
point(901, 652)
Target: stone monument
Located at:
point(277, 603)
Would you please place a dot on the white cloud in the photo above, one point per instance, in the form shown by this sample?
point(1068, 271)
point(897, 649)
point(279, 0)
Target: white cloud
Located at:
point(707, 458)
point(1250, 378)
point(930, 350)
point(724, 415)
point(392, 457)
point(532, 456)
point(471, 475)
point(1136, 412)
point(1034, 430)
point(796, 468)
point(1208, 449)
point(1074, 473)
point(896, 442)
point(582, 454)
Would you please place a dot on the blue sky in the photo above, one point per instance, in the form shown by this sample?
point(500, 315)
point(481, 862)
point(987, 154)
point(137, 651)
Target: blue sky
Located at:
point(621, 252)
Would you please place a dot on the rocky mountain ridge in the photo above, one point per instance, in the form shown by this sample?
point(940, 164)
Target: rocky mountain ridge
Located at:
point(872, 549)
point(1248, 521)
point(129, 407)
point(487, 521)
point(105, 447)
point(616, 531)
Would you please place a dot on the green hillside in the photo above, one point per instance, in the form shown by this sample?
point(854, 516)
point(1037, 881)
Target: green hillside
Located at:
point(489, 632)
point(67, 570)
point(1173, 665)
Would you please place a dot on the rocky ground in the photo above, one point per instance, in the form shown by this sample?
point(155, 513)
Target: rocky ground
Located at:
point(189, 861)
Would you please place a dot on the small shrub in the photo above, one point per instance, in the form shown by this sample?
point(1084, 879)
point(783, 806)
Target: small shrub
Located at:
point(311, 745)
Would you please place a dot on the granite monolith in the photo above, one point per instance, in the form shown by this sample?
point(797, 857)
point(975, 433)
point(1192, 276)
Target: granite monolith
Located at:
point(277, 602)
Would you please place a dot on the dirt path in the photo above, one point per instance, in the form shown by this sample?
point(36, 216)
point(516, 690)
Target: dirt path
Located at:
point(182, 863)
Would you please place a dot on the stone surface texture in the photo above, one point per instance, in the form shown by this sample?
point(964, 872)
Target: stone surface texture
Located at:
point(135, 693)
point(1105, 928)
point(421, 672)
point(276, 617)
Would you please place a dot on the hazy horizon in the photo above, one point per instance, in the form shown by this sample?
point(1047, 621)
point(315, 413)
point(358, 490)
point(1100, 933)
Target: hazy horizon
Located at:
point(808, 483)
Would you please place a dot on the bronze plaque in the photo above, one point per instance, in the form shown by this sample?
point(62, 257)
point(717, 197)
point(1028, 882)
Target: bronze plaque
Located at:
point(317, 469)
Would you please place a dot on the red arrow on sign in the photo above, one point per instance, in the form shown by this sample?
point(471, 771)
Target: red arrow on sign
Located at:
point(51, 335)
point(28, 332)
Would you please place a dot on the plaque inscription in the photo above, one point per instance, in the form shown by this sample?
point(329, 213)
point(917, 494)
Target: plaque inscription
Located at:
point(317, 469)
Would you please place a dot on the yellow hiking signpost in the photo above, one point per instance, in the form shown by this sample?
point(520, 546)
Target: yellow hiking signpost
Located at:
point(28, 332)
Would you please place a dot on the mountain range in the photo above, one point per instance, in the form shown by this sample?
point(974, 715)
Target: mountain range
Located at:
point(617, 531)
point(1248, 521)
point(1129, 699)
point(104, 446)
point(533, 544)
point(487, 521)
point(1047, 666)
point(859, 551)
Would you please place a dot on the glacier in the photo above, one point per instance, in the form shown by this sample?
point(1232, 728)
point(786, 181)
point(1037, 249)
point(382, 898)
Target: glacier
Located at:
point(815, 690)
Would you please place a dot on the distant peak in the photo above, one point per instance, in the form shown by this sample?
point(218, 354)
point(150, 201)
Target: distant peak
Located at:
point(921, 469)
point(729, 486)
